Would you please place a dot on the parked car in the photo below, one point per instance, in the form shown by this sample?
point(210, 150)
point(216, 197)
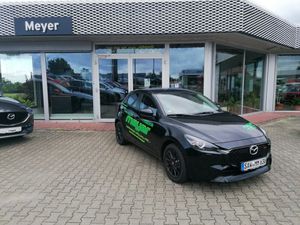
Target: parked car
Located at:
point(291, 91)
point(15, 118)
point(120, 93)
point(192, 136)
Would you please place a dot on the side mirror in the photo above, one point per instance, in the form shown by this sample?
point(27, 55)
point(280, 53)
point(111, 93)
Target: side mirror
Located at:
point(217, 104)
point(147, 113)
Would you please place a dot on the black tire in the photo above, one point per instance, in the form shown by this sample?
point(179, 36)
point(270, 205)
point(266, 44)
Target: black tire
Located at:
point(120, 134)
point(174, 164)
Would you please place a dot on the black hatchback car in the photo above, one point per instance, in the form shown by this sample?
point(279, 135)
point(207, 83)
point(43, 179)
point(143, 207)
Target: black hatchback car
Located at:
point(193, 137)
point(15, 119)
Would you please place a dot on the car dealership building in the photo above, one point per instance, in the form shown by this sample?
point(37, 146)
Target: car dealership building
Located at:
point(79, 60)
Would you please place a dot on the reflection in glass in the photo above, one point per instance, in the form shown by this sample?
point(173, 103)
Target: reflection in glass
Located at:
point(147, 73)
point(288, 83)
point(113, 75)
point(19, 79)
point(69, 79)
point(187, 66)
point(129, 49)
point(253, 82)
point(229, 74)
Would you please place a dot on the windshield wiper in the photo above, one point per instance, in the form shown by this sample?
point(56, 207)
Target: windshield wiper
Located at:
point(180, 114)
point(204, 113)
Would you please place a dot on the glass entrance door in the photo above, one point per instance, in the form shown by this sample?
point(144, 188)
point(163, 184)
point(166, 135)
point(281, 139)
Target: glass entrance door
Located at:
point(113, 85)
point(119, 74)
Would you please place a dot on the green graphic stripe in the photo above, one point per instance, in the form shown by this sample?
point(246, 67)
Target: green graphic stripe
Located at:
point(133, 133)
point(249, 126)
point(139, 127)
point(147, 122)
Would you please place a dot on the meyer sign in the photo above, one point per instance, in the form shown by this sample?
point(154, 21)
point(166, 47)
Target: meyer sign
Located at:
point(43, 26)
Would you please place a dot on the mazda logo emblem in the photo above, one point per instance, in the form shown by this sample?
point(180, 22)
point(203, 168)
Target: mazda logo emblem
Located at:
point(11, 116)
point(253, 149)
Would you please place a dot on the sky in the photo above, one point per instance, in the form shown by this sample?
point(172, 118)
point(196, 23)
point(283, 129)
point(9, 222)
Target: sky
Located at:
point(286, 9)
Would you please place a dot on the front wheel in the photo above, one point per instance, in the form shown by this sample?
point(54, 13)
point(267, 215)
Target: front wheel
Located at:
point(120, 134)
point(174, 164)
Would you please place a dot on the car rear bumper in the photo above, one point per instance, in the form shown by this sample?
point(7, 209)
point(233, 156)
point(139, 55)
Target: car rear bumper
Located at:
point(222, 167)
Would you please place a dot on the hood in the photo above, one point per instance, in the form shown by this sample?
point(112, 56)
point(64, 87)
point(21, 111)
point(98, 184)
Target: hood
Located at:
point(118, 90)
point(10, 105)
point(219, 128)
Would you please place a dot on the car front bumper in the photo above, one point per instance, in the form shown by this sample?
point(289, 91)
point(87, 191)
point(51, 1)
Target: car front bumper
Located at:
point(225, 167)
point(27, 128)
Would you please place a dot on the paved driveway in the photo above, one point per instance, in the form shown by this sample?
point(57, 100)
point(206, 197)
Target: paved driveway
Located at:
point(80, 177)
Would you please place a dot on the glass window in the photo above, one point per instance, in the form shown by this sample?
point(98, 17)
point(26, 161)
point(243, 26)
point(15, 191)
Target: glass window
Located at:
point(230, 83)
point(229, 77)
point(253, 82)
point(129, 49)
point(147, 102)
point(70, 88)
point(21, 79)
point(288, 83)
point(131, 99)
point(187, 103)
point(147, 73)
point(187, 66)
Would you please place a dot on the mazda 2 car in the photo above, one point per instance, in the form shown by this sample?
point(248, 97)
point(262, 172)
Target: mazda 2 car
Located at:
point(15, 118)
point(192, 136)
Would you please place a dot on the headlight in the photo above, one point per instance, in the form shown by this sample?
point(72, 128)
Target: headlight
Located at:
point(29, 110)
point(201, 145)
point(265, 133)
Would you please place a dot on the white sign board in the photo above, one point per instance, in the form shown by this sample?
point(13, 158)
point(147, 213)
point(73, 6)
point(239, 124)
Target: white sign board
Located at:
point(147, 82)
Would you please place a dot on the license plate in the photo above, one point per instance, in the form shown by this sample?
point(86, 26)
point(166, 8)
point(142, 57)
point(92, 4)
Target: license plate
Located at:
point(10, 130)
point(253, 164)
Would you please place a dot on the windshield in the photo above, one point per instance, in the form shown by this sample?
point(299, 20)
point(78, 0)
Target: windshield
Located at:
point(186, 103)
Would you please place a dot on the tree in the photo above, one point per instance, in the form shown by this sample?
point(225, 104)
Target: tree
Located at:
point(59, 66)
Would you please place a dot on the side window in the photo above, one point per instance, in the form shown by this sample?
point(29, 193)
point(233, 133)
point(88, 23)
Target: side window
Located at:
point(133, 100)
point(147, 102)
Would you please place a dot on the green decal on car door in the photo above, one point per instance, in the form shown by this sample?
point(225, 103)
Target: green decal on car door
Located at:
point(137, 129)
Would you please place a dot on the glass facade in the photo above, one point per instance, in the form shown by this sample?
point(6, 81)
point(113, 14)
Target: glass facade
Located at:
point(187, 66)
point(21, 79)
point(70, 89)
point(239, 80)
point(288, 83)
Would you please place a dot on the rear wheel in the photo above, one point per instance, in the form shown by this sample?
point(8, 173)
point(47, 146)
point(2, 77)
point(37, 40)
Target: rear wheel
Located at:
point(120, 134)
point(174, 164)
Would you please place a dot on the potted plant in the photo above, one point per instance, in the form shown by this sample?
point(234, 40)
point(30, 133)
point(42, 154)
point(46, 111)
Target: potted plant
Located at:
point(231, 104)
point(279, 106)
point(296, 104)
